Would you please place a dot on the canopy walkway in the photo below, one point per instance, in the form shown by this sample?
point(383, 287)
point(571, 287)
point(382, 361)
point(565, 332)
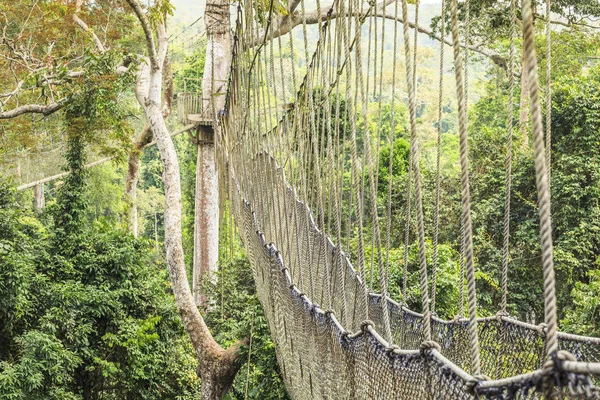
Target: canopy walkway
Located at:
point(303, 182)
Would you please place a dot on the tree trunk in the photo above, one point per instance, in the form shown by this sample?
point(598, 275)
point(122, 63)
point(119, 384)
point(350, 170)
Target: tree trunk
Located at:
point(133, 175)
point(218, 56)
point(144, 138)
point(206, 219)
point(214, 89)
point(39, 198)
point(524, 105)
point(216, 367)
point(156, 231)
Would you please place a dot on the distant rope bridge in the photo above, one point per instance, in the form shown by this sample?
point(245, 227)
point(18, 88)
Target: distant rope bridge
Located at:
point(304, 180)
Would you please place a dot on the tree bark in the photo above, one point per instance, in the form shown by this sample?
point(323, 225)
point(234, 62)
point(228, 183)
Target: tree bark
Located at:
point(133, 175)
point(39, 198)
point(524, 106)
point(142, 141)
point(206, 218)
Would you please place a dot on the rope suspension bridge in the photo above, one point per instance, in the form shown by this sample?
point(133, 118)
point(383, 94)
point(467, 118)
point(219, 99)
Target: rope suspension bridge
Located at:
point(298, 157)
point(303, 177)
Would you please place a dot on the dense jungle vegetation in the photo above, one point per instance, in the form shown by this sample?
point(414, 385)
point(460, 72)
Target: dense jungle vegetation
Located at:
point(86, 308)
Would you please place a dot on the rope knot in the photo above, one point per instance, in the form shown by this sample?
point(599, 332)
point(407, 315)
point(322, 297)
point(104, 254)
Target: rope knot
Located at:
point(473, 383)
point(328, 312)
point(365, 325)
point(391, 349)
point(344, 335)
point(429, 345)
point(556, 360)
point(564, 355)
point(542, 329)
point(456, 319)
point(501, 314)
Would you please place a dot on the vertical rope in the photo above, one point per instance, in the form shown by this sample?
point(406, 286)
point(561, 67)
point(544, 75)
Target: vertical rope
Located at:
point(548, 92)
point(508, 157)
point(465, 194)
point(409, 173)
point(417, 176)
point(436, 212)
point(355, 170)
point(543, 187)
point(392, 140)
point(466, 101)
point(415, 45)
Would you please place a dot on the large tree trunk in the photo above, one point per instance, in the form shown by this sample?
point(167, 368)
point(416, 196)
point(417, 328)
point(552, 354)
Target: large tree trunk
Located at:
point(214, 88)
point(216, 367)
point(206, 219)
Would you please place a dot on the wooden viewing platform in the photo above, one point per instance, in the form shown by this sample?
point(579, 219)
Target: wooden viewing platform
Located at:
point(191, 109)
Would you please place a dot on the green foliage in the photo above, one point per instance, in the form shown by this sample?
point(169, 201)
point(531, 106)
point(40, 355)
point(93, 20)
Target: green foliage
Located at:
point(399, 151)
point(236, 314)
point(187, 75)
point(85, 310)
point(583, 318)
point(448, 281)
point(576, 179)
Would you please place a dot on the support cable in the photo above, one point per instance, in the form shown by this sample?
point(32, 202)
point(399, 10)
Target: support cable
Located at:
point(543, 191)
point(465, 193)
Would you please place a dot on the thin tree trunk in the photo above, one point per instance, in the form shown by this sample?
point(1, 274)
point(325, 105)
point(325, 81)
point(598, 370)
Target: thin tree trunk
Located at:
point(39, 198)
point(144, 138)
point(155, 231)
point(524, 107)
point(133, 175)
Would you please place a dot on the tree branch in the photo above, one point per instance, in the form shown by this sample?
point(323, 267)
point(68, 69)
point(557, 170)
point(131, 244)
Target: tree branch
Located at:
point(36, 109)
point(290, 21)
point(141, 16)
point(11, 94)
point(86, 28)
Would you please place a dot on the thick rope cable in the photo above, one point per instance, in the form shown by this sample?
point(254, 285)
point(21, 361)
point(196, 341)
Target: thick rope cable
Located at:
point(415, 45)
point(436, 211)
point(409, 172)
point(466, 100)
point(543, 187)
point(392, 140)
point(465, 193)
point(417, 177)
point(508, 157)
point(548, 91)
